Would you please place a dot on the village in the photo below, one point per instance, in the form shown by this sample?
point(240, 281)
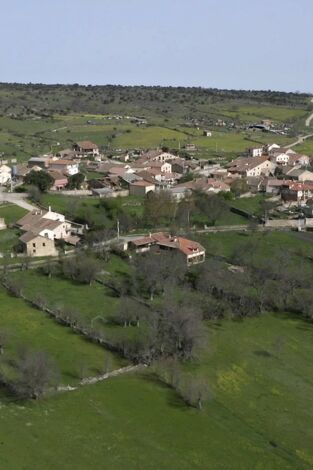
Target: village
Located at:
point(280, 174)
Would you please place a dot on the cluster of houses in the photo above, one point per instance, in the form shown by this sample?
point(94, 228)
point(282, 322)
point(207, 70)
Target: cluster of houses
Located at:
point(61, 166)
point(269, 168)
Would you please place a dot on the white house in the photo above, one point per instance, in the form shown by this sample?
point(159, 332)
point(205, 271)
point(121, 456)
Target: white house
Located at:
point(251, 166)
point(5, 174)
point(255, 151)
point(68, 167)
point(163, 167)
point(47, 224)
point(280, 158)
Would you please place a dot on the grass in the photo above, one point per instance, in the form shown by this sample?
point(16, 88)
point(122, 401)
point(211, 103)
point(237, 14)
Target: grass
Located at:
point(249, 204)
point(11, 213)
point(23, 138)
point(279, 114)
point(88, 301)
point(8, 238)
point(305, 148)
point(266, 244)
point(26, 327)
point(260, 415)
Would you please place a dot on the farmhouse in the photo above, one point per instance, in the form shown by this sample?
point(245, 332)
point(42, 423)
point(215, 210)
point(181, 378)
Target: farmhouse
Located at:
point(86, 148)
point(37, 245)
point(192, 252)
point(251, 166)
point(48, 224)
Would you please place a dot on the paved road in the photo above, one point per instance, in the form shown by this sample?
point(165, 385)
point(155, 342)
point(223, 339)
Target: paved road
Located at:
point(300, 140)
point(16, 198)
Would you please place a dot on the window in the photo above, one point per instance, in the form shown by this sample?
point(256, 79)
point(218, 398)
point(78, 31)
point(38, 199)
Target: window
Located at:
point(43, 244)
point(34, 245)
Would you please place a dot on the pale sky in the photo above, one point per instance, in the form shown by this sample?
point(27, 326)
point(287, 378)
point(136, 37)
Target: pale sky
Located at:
point(247, 44)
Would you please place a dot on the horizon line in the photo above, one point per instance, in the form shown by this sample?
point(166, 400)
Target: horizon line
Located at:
point(89, 85)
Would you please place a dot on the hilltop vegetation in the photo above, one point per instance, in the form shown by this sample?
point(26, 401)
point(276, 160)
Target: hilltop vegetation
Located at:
point(38, 119)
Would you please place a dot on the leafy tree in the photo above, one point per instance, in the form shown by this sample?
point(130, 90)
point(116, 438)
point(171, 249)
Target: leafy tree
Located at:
point(41, 179)
point(159, 209)
point(239, 186)
point(212, 206)
point(75, 181)
point(35, 194)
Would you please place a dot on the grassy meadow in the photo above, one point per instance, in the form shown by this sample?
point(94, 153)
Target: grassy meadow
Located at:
point(28, 328)
point(259, 415)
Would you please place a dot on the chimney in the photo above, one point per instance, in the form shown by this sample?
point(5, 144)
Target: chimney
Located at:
point(49, 208)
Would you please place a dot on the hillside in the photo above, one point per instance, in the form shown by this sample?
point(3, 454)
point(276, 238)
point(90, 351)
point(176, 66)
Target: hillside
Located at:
point(38, 119)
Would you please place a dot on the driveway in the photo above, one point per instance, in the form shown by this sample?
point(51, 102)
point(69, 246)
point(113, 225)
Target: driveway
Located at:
point(19, 199)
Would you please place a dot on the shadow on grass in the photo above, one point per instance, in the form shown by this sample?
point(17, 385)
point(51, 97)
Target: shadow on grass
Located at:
point(173, 397)
point(262, 353)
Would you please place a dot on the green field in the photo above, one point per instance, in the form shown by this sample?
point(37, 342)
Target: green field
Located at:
point(259, 415)
point(26, 327)
point(257, 113)
point(11, 213)
point(89, 302)
point(266, 243)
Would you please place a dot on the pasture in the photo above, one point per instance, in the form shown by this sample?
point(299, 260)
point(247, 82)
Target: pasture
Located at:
point(259, 415)
point(25, 327)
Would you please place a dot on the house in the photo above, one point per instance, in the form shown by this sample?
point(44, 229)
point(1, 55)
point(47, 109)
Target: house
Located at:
point(298, 159)
point(300, 174)
point(163, 167)
point(255, 151)
point(158, 156)
point(289, 158)
point(5, 174)
point(298, 192)
point(37, 245)
point(86, 148)
point(191, 251)
point(66, 154)
point(207, 133)
point(48, 224)
point(59, 180)
point(42, 162)
point(216, 186)
point(68, 167)
point(274, 186)
point(179, 165)
point(140, 188)
point(251, 166)
point(180, 193)
point(20, 171)
point(190, 147)
point(268, 148)
point(255, 183)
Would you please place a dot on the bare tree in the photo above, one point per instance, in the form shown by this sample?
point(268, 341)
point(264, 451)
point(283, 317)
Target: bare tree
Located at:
point(195, 391)
point(36, 373)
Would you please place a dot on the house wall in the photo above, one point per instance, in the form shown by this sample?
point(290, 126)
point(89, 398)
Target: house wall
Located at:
point(140, 190)
point(264, 168)
point(62, 231)
point(41, 247)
